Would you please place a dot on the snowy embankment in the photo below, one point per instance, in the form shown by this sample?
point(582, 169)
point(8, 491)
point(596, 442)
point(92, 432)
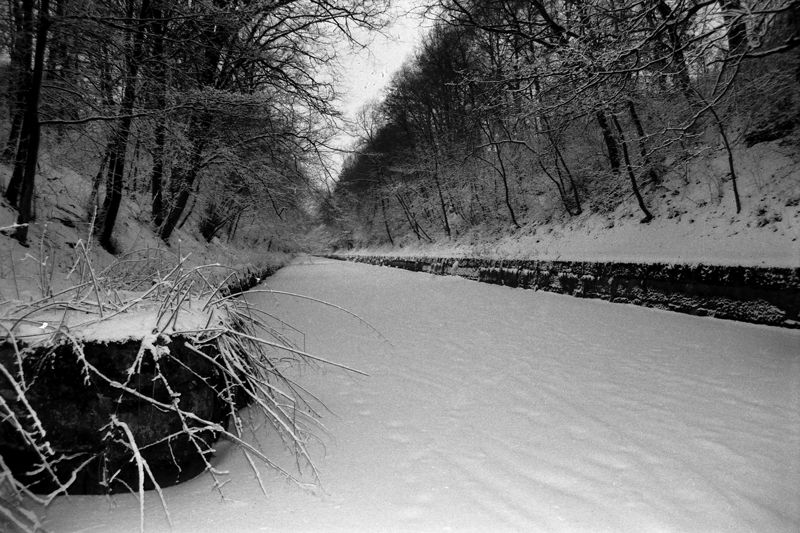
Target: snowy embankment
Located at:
point(502, 410)
point(709, 238)
point(703, 260)
point(769, 296)
point(695, 222)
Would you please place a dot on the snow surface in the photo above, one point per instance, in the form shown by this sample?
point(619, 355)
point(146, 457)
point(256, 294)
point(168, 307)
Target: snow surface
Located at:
point(498, 409)
point(704, 240)
point(137, 321)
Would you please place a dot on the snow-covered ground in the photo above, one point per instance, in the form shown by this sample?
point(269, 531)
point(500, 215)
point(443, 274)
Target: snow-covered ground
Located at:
point(695, 221)
point(498, 409)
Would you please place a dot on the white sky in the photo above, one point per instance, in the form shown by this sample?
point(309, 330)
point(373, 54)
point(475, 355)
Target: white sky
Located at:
point(365, 73)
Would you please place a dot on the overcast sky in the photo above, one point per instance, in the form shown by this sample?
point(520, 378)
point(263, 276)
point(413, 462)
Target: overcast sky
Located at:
point(365, 73)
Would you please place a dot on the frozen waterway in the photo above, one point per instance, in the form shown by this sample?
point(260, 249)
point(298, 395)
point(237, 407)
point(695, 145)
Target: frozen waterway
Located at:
point(500, 409)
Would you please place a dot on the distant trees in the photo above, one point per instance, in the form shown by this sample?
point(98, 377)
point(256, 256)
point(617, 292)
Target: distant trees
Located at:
point(509, 101)
point(181, 98)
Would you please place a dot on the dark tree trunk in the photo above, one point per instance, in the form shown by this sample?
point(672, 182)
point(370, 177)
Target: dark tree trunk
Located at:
point(737, 26)
point(116, 164)
point(158, 28)
point(216, 37)
point(411, 218)
point(185, 178)
point(32, 120)
point(13, 134)
point(157, 175)
point(442, 203)
point(234, 225)
point(608, 137)
point(14, 188)
point(98, 179)
point(731, 165)
point(21, 52)
point(558, 157)
point(652, 175)
point(559, 186)
point(188, 212)
point(648, 216)
point(386, 221)
point(572, 184)
point(181, 201)
point(506, 193)
point(574, 187)
point(57, 58)
point(500, 169)
point(680, 71)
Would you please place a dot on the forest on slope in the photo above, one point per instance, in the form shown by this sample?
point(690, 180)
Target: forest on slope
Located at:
point(214, 112)
point(514, 116)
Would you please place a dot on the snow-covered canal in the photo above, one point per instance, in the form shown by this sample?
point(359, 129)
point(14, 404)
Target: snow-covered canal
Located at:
point(498, 409)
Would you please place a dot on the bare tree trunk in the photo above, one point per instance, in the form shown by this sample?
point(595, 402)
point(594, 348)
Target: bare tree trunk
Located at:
point(181, 201)
point(442, 204)
point(188, 212)
point(500, 169)
point(559, 186)
point(57, 58)
point(652, 175)
point(116, 163)
point(217, 36)
point(648, 216)
point(157, 174)
point(234, 225)
point(411, 218)
point(159, 76)
point(386, 220)
point(680, 70)
point(60, 70)
point(17, 145)
point(737, 26)
point(98, 179)
point(506, 195)
point(32, 120)
point(572, 184)
point(19, 75)
point(608, 137)
point(731, 165)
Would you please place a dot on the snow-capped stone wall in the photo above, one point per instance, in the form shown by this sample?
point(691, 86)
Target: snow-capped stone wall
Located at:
point(75, 407)
point(749, 294)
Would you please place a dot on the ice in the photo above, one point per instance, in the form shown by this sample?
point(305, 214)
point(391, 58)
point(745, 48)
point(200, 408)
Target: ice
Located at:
point(496, 409)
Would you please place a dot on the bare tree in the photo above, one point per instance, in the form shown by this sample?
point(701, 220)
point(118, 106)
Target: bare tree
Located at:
point(21, 187)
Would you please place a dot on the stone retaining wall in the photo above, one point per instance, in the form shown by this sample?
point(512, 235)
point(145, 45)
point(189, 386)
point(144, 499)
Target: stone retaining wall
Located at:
point(750, 294)
point(246, 279)
point(75, 406)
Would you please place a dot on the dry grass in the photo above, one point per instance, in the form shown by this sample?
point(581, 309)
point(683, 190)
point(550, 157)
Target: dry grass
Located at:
point(249, 348)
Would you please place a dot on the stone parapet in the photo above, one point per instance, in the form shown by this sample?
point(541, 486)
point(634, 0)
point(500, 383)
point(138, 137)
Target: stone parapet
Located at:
point(749, 294)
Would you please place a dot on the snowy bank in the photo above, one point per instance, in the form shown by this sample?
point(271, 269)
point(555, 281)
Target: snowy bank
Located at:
point(750, 294)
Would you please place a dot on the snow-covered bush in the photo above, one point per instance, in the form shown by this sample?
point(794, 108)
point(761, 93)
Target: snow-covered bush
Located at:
point(188, 333)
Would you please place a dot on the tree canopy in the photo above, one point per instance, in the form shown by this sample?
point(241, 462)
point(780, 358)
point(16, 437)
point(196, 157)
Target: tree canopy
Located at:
point(516, 110)
point(218, 103)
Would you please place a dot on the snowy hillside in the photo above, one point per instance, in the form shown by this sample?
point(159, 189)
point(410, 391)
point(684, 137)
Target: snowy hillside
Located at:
point(695, 221)
point(63, 217)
